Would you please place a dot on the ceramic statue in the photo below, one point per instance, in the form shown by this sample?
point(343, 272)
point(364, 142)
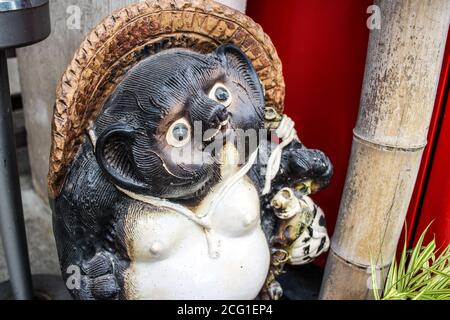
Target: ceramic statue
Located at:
point(173, 172)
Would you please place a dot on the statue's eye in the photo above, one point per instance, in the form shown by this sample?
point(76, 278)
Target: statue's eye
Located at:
point(221, 94)
point(179, 133)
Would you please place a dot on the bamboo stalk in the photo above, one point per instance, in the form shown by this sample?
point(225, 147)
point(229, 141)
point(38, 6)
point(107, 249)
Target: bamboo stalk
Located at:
point(402, 72)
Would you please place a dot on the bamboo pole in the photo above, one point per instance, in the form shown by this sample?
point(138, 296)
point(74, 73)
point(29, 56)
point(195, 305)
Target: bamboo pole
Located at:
point(402, 72)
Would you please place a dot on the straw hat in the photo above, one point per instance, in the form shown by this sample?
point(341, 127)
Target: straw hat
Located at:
point(133, 33)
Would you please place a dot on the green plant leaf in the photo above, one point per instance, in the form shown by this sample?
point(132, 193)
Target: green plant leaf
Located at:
point(421, 273)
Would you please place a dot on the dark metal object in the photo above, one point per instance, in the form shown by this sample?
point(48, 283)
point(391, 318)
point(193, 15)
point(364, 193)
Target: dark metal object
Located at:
point(12, 227)
point(22, 23)
point(10, 5)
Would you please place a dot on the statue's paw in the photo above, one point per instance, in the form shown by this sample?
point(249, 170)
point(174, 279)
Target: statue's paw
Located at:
point(308, 164)
point(99, 281)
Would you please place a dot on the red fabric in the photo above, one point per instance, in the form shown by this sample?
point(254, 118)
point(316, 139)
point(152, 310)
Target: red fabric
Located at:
point(431, 199)
point(323, 46)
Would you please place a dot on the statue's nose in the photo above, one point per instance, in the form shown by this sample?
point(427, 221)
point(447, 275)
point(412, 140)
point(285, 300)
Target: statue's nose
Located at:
point(219, 114)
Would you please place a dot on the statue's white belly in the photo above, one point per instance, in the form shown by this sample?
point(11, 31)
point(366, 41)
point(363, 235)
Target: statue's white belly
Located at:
point(170, 257)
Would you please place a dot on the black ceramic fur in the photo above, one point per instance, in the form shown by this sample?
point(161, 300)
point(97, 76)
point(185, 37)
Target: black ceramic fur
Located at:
point(132, 153)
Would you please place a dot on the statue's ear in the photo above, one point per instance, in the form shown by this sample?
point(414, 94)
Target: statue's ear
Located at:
point(114, 156)
point(235, 59)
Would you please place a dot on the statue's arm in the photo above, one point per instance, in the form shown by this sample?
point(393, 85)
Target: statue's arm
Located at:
point(85, 229)
point(89, 270)
point(301, 237)
point(300, 164)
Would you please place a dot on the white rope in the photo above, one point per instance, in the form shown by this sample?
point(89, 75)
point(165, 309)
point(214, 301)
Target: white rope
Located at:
point(163, 203)
point(204, 222)
point(286, 132)
point(218, 196)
